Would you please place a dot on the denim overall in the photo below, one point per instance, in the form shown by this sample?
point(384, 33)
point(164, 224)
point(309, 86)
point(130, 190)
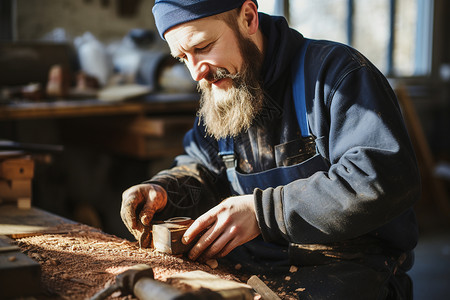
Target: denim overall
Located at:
point(246, 183)
point(324, 281)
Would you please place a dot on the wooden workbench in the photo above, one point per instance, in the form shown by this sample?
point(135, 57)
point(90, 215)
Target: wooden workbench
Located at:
point(76, 261)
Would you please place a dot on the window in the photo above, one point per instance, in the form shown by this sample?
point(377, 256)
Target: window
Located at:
point(394, 34)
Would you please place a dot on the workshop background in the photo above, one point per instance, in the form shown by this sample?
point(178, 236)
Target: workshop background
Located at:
point(93, 77)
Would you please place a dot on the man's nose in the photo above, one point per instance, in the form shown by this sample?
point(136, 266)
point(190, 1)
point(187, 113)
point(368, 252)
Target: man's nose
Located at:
point(199, 70)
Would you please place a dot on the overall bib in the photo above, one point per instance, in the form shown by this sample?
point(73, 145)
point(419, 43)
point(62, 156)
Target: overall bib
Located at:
point(269, 254)
point(328, 280)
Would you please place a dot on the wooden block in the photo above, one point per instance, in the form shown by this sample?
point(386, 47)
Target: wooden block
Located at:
point(17, 168)
point(15, 189)
point(167, 238)
point(261, 288)
point(24, 203)
point(19, 274)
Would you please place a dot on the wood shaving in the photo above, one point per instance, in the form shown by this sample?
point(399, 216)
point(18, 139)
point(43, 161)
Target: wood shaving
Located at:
point(79, 261)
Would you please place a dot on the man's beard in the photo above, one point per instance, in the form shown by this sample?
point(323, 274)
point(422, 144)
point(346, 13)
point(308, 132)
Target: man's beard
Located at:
point(230, 112)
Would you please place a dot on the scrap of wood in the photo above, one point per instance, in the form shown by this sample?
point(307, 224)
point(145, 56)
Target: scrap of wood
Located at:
point(167, 238)
point(17, 168)
point(261, 288)
point(24, 203)
point(202, 279)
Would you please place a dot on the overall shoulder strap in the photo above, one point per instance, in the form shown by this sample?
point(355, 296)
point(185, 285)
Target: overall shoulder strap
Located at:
point(226, 151)
point(226, 145)
point(298, 86)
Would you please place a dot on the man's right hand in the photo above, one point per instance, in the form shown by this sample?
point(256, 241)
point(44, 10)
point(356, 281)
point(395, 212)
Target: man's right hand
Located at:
point(139, 204)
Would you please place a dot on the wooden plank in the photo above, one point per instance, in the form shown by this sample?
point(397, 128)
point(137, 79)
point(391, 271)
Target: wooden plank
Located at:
point(261, 288)
point(17, 168)
point(62, 109)
point(19, 274)
point(17, 223)
point(201, 279)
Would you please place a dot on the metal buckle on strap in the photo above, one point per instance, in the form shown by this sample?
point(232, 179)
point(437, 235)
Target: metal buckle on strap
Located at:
point(229, 161)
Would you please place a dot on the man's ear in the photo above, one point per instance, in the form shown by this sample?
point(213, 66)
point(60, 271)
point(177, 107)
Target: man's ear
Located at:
point(249, 16)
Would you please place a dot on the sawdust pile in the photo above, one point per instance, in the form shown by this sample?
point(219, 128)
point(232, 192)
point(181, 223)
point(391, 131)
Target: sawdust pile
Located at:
point(77, 261)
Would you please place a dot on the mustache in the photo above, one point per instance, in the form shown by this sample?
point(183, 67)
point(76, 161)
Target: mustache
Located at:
point(220, 73)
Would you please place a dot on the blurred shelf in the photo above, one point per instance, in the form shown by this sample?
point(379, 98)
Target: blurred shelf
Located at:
point(151, 104)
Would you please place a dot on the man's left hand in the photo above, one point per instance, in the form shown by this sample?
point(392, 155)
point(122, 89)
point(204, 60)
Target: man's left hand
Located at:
point(227, 225)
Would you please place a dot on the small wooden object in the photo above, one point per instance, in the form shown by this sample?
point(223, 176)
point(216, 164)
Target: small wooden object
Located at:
point(16, 175)
point(228, 289)
point(167, 236)
point(261, 288)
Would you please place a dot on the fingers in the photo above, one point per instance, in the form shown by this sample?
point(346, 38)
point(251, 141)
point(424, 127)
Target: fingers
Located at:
point(139, 204)
point(201, 224)
point(146, 217)
point(130, 203)
point(221, 247)
point(215, 243)
point(146, 214)
point(158, 196)
point(216, 237)
point(205, 241)
point(157, 200)
point(231, 224)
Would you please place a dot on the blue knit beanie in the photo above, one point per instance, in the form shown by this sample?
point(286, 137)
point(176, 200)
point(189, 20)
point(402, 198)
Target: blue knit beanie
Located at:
point(169, 13)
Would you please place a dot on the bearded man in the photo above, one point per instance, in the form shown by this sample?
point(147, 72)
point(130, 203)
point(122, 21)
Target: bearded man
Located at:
point(299, 157)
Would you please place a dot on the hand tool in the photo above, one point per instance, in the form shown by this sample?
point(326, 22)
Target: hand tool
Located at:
point(138, 280)
point(125, 281)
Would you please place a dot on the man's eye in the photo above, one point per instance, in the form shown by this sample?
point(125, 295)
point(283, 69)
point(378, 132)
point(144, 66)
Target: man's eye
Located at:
point(202, 49)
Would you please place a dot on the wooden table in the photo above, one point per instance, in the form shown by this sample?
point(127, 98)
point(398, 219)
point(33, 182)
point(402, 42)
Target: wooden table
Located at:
point(148, 127)
point(151, 104)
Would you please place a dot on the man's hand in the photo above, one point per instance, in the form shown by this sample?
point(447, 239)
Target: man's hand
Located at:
point(139, 204)
point(227, 225)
